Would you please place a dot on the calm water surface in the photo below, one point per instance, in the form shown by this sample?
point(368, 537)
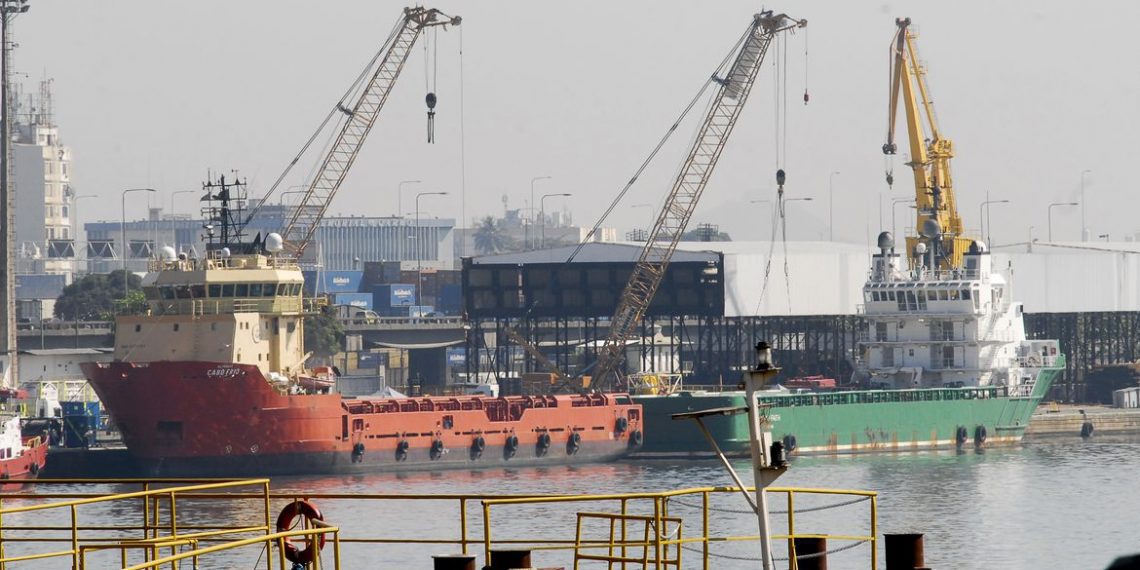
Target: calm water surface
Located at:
point(1056, 504)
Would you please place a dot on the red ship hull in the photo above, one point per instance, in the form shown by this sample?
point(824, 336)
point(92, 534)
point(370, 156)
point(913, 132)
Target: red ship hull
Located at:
point(24, 467)
point(222, 419)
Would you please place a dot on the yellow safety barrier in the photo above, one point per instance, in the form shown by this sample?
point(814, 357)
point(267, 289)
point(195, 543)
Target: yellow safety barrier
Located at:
point(639, 530)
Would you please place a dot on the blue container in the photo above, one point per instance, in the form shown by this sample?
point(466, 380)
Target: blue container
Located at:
point(394, 295)
point(451, 299)
point(358, 300)
point(456, 356)
point(74, 408)
point(318, 282)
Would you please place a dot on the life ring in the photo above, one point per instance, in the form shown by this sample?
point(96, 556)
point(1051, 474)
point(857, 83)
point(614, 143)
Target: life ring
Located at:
point(573, 443)
point(635, 438)
point(285, 522)
point(980, 436)
point(358, 452)
point(436, 449)
point(477, 446)
point(510, 446)
point(402, 450)
point(1087, 430)
point(789, 443)
point(621, 425)
point(543, 444)
point(960, 436)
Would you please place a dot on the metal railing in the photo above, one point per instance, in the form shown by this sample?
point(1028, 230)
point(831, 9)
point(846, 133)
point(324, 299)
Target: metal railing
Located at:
point(644, 530)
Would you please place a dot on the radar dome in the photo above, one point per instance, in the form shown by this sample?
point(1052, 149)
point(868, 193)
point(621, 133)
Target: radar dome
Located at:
point(167, 253)
point(886, 240)
point(920, 249)
point(274, 243)
point(931, 229)
point(225, 253)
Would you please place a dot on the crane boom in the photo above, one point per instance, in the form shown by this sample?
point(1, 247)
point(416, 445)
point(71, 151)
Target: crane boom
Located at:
point(937, 214)
point(309, 211)
point(688, 186)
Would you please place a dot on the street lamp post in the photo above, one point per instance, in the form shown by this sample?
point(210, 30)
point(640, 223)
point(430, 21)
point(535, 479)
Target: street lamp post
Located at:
point(1050, 211)
point(532, 181)
point(986, 220)
point(419, 255)
point(400, 194)
point(784, 205)
point(542, 214)
point(1084, 228)
point(175, 193)
point(123, 234)
point(831, 206)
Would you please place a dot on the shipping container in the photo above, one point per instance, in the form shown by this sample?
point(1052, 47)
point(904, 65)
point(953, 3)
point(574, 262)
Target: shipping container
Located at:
point(393, 295)
point(318, 282)
point(456, 356)
point(450, 299)
point(358, 300)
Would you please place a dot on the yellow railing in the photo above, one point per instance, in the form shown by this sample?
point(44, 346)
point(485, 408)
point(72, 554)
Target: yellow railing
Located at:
point(639, 530)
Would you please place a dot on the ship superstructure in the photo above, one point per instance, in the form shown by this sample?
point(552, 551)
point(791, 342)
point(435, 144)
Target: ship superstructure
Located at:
point(934, 328)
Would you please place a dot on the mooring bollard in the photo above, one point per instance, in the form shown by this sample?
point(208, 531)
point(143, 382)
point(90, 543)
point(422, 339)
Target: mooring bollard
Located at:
point(904, 551)
point(811, 553)
point(508, 559)
point(454, 562)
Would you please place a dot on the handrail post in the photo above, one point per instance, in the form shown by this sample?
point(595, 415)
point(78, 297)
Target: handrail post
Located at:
point(874, 531)
point(792, 530)
point(657, 507)
point(487, 532)
point(268, 527)
point(463, 523)
point(75, 539)
point(705, 508)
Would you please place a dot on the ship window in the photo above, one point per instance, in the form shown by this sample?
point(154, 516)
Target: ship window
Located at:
point(268, 290)
point(283, 289)
point(241, 290)
point(874, 296)
point(167, 292)
point(259, 357)
point(228, 290)
point(888, 357)
point(296, 289)
point(198, 291)
point(215, 290)
point(943, 295)
point(880, 332)
point(953, 294)
point(255, 289)
point(291, 327)
point(138, 328)
point(182, 292)
point(965, 294)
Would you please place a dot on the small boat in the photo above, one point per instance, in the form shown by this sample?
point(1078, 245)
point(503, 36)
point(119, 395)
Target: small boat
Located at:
point(21, 458)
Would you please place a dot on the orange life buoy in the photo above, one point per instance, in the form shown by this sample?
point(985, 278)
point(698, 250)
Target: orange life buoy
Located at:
point(285, 521)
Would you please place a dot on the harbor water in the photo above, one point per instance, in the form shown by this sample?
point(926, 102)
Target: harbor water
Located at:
point(1062, 503)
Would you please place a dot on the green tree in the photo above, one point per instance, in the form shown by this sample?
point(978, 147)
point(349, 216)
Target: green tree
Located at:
point(96, 296)
point(324, 336)
point(491, 237)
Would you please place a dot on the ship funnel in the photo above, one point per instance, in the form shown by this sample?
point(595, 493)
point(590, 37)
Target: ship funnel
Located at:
point(274, 243)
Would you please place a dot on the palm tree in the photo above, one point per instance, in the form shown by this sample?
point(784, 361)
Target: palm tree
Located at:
point(491, 236)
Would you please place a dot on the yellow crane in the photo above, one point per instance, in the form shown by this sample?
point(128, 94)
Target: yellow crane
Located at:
point(938, 224)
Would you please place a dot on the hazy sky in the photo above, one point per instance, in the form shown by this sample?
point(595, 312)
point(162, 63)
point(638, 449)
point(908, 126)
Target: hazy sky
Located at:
point(156, 92)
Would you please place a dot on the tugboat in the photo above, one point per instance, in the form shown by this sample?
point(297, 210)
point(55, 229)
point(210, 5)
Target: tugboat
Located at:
point(21, 458)
point(210, 379)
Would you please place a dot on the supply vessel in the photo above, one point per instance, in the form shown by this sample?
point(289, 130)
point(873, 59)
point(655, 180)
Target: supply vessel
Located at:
point(943, 360)
point(210, 378)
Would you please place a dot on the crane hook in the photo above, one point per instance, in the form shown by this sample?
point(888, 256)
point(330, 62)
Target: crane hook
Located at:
point(431, 101)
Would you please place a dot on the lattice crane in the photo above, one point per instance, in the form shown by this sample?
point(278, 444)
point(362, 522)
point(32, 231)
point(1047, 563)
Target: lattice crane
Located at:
point(937, 214)
point(309, 211)
point(687, 188)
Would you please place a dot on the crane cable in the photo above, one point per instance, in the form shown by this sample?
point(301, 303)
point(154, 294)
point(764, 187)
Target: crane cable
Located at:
point(338, 108)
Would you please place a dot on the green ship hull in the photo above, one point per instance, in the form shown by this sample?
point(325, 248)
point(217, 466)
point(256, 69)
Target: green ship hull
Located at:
point(849, 421)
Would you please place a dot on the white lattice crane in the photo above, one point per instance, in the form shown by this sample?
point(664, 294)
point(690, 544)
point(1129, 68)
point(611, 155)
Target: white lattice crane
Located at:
point(687, 188)
point(360, 117)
